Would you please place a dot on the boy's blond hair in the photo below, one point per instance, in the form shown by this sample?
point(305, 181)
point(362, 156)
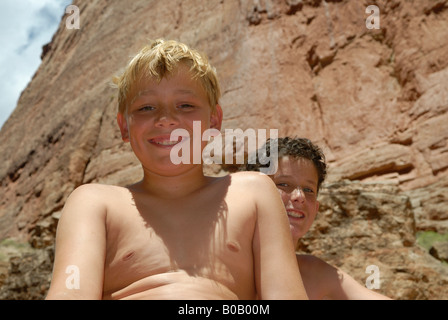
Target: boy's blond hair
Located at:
point(159, 59)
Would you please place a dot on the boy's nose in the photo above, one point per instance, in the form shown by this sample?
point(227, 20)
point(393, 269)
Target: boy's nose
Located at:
point(298, 195)
point(166, 119)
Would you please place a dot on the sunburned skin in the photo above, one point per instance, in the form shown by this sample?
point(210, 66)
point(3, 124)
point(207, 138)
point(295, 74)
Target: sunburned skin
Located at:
point(164, 256)
point(296, 180)
point(158, 249)
point(177, 234)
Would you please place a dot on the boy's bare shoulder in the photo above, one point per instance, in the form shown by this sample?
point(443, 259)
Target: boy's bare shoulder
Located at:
point(315, 268)
point(256, 186)
point(98, 188)
point(251, 177)
point(95, 200)
point(98, 191)
point(312, 262)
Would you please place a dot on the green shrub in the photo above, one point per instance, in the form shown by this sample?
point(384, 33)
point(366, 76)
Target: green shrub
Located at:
point(426, 238)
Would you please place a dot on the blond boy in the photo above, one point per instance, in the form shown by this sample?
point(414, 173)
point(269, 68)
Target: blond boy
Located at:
point(177, 234)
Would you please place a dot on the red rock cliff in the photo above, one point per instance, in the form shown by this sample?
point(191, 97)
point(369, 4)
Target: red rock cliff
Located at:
point(376, 100)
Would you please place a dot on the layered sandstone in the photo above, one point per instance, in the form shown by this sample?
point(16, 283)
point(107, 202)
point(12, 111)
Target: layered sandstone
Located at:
point(376, 100)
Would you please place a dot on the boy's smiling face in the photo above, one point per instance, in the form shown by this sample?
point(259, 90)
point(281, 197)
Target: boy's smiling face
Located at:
point(161, 107)
point(296, 180)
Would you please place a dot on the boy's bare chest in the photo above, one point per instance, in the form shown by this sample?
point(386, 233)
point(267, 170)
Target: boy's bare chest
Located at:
point(211, 241)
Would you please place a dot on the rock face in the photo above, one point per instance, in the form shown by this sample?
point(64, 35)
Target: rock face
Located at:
point(375, 100)
point(361, 225)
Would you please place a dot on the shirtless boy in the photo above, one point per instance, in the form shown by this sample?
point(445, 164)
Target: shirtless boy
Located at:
point(301, 171)
point(177, 234)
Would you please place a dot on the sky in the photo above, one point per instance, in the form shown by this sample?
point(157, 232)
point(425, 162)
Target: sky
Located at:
point(25, 26)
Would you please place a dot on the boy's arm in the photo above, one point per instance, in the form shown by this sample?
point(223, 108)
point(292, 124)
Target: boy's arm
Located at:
point(80, 247)
point(277, 274)
point(324, 281)
point(350, 289)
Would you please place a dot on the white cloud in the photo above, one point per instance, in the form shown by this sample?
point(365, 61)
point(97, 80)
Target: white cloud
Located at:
point(25, 26)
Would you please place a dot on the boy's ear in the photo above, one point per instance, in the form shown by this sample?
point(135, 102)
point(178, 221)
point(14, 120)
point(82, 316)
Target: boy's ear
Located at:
point(123, 124)
point(216, 118)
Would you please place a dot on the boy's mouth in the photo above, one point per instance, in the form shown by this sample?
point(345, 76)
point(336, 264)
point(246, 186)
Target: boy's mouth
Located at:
point(295, 214)
point(165, 141)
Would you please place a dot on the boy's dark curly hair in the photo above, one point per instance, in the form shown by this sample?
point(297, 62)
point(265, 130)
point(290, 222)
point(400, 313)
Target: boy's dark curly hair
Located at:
point(297, 148)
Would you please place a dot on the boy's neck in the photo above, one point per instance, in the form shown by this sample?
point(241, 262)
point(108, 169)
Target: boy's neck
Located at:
point(174, 187)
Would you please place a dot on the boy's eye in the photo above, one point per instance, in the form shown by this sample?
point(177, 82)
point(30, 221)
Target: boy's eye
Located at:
point(185, 106)
point(282, 184)
point(146, 108)
point(308, 190)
